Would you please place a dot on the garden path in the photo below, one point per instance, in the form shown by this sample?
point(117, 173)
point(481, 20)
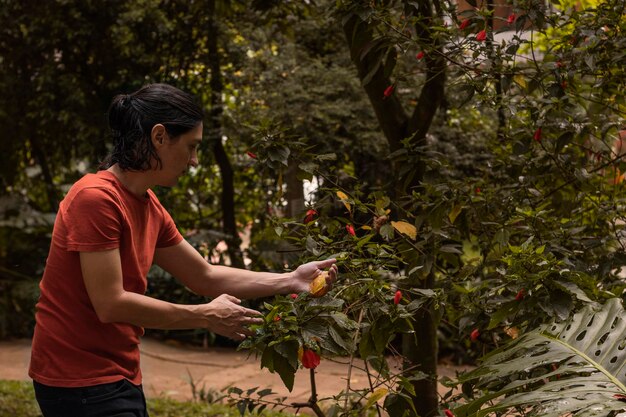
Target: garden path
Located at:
point(168, 368)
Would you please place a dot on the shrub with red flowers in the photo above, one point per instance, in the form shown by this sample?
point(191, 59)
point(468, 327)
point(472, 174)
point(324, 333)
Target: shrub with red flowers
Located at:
point(518, 118)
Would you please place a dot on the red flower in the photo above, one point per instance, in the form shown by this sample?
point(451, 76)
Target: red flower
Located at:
point(537, 135)
point(420, 55)
point(474, 335)
point(511, 18)
point(310, 359)
point(293, 296)
point(520, 295)
point(477, 190)
point(277, 318)
point(481, 36)
point(251, 155)
point(388, 92)
point(350, 229)
point(310, 216)
point(559, 64)
point(564, 85)
point(448, 413)
point(397, 297)
point(464, 23)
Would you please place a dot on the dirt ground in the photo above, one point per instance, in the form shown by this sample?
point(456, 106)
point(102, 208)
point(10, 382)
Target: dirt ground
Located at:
point(168, 369)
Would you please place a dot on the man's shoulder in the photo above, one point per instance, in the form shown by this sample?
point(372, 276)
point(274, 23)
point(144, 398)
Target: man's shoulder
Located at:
point(97, 184)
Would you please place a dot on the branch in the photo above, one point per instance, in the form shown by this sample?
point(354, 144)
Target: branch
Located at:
point(372, 63)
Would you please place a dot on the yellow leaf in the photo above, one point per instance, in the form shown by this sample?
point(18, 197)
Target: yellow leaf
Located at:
point(365, 227)
point(456, 210)
point(513, 332)
point(406, 228)
point(344, 199)
point(376, 395)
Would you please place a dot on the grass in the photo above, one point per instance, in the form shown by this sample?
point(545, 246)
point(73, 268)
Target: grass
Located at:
point(17, 399)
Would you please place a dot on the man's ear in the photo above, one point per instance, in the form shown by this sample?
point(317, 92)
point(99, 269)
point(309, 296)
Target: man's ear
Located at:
point(158, 135)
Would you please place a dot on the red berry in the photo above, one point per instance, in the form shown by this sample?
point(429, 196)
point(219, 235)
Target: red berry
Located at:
point(537, 135)
point(420, 55)
point(520, 295)
point(481, 36)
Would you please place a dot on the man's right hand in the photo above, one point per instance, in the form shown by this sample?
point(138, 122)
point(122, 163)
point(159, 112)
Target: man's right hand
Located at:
point(226, 316)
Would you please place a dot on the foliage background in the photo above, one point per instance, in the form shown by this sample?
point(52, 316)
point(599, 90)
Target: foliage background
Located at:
point(483, 178)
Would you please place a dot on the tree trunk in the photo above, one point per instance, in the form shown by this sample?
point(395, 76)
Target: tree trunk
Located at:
point(389, 112)
point(40, 157)
point(229, 224)
point(295, 191)
point(420, 349)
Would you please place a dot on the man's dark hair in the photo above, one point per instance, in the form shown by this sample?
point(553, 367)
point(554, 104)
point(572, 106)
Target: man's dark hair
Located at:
point(132, 117)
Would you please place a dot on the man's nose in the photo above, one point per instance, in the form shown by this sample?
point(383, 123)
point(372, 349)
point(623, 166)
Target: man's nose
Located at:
point(193, 161)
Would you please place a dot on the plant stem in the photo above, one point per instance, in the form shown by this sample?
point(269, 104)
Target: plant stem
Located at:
point(356, 336)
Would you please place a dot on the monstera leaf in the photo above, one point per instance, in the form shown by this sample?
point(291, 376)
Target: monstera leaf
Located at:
point(576, 367)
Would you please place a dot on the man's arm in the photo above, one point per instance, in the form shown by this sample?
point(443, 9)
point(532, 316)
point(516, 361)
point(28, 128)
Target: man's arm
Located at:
point(186, 264)
point(102, 274)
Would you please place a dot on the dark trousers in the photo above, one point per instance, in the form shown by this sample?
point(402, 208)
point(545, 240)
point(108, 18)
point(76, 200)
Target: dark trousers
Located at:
point(117, 399)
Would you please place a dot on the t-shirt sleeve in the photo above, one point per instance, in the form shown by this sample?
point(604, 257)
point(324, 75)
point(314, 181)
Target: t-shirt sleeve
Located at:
point(169, 234)
point(94, 221)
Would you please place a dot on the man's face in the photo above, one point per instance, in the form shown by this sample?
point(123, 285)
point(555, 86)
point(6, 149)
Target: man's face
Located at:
point(178, 154)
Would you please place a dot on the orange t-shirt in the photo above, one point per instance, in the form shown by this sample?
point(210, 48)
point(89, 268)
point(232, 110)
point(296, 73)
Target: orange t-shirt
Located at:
point(71, 346)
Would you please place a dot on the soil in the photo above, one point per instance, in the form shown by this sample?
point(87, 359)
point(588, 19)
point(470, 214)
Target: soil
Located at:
point(171, 369)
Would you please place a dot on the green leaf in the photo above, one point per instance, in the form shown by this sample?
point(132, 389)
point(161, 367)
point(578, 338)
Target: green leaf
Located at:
point(499, 315)
point(573, 289)
point(285, 370)
point(386, 231)
point(343, 321)
point(289, 350)
point(311, 245)
point(571, 366)
point(279, 154)
point(265, 392)
point(242, 406)
point(327, 157)
point(337, 338)
point(267, 359)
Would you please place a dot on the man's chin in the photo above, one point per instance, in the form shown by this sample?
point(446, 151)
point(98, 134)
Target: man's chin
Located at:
point(169, 184)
